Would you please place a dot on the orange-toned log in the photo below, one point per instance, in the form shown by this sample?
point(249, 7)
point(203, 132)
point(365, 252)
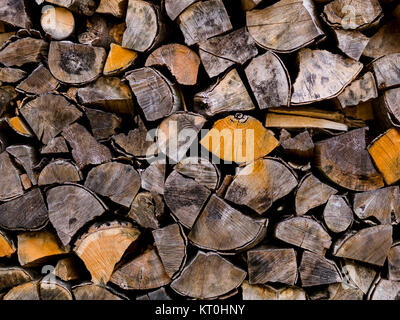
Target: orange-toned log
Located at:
point(7, 247)
point(118, 60)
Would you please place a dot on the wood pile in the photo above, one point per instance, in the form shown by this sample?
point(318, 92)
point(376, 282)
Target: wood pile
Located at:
point(186, 149)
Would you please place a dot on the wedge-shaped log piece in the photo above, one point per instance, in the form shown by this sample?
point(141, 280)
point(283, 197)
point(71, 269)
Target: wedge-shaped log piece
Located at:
point(75, 64)
point(70, 208)
point(91, 291)
point(155, 94)
point(23, 51)
point(385, 290)
point(59, 172)
point(25, 291)
point(226, 95)
point(385, 151)
point(10, 183)
point(147, 210)
point(351, 43)
point(27, 157)
point(387, 109)
point(385, 41)
point(185, 198)
point(7, 247)
point(261, 183)
point(323, 75)
point(15, 13)
point(386, 71)
point(370, 245)
point(182, 62)
point(223, 228)
point(144, 272)
point(28, 212)
point(18, 125)
point(70, 268)
point(103, 246)
point(219, 53)
point(118, 60)
point(118, 182)
point(316, 270)
point(265, 292)
point(103, 124)
point(305, 233)
point(13, 276)
point(338, 215)
point(159, 294)
point(40, 81)
point(58, 23)
point(244, 139)
point(347, 14)
point(144, 26)
point(359, 91)
point(177, 133)
point(153, 177)
point(109, 94)
point(48, 115)
point(345, 161)
point(203, 20)
point(36, 248)
point(82, 7)
point(11, 75)
point(55, 146)
point(270, 264)
point(175, 7)
point(285, 26)
point(269, 80)
point(54, 289)
point(300, 146)
point(358, 275)
point(85, 149)
point(201, 170)
point(312, 193)
point(382, 204)
point(250, 4)
point(199, 277)
point(171, 246)
point(116, 8)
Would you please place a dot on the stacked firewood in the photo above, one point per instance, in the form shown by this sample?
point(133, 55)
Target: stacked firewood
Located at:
point(185, 149)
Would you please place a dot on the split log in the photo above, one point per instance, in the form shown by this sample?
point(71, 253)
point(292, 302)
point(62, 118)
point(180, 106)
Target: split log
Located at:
point(70, 268)
point(27, 157)
point(203, 20)
point(9, 179)
point(142, 273)
point(316, 270)
point(28, 212)
point(11, 75)
point(245, 139)
point(345, 161)
point(54, 289)
point(385, 290)
point(159, 294)
point(109, 94)
point(351, 43)
point(182, 62)
point(176, 134)
point(16, 14)
point(7, 247)
point(48, 115)
point(85, 149)
point(250, 4)
point(59, 172)
point(185, 198)
point(153, 177)
point(171, 246)
point(25, 291)
point(370, 245)
point(116, 181)
point(58, 23)
point(91, 291)
point(226, 95)
point(201, 274)
point(175, 7)
point(7, 95)
point(83, 7)
point(103, 124)
point(75, 64)
point(343, 291)
point(147, 210)
point(223, 228)
point(285, 26)
point(386, 71)
point(358, 275)
point(269, 81)
point(23, 51)
point(323, 75)
point(117, 8)
point(56, 145)
point(40, 81)
point(26, 183)
point(13, 276)
point(260, 184)
point(70, 208)
point(312, 193)
point(118, 60)
point(272, 264)
point(387, 109)
point(254, 292)
point(338, 215)
point(36, 248)
point(382, 204)
point(305, 233)
point(394, 263)
point(155, 94)
point(300, 146)
point(219, 53)
point(113, 238)
point(385, 41)
point(145, 27)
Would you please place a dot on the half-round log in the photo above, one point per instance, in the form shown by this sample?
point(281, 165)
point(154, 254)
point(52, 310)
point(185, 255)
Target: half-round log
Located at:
point(59, 172)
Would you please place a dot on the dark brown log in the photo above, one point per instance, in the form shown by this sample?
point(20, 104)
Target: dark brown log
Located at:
point(352, 43)
point(358, 275)
point(11, 75)
point(9, 179)
point(7, 247)
point(338, 215)
point(23, 51)
point(250, 4)
point(370, 245)
point(28, 212)
point(27, 157)
point(25, 291)
point(54, 289)
point(118, 60)
point(15, 13)
point(103, 124)
point(114, 238)
point(116, 8)
point(385, 290)
point(394, 262)
point(265, 292)
point(58, 23)
point(300, 146)
point(69, 268)
point(55, 146)
point(159, 294)
point(260, 184)
point(40, 81)
point(219, 53)
point(153, 177)
point(386, 71)
point(59, 172)
point(83, 7)
point(385, 41)
point(142, 273)
point(227, 94)
point(272, 264)
point(201, 274)
point(85, 149)
point(304, 232)
point(13, 276)
point(147, 210)
point(312, 193)
point(91, 291)
point(345, 161)
point(175, 7)
point(7, 95)
point(285, 26)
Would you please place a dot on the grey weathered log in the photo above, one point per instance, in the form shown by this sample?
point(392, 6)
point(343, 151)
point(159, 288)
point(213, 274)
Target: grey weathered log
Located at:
point(338, 215)
point(55, 146)
point(384, 289)
point(385, 41)
point(83, 7)
point(103, 124)
point(59, 172)
point(159, 294)
point(23, 51)
point(13, 276)
point(386, 71)
point(27, 157)
point(153, 177)
point(351, 42)
point(15, 13)
point(175, 7)
point(147, 210)
point(11, 75)
point(300, 146)
point(40, 81)
point(358, 275)
point(387, 109)
point(9, 179)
